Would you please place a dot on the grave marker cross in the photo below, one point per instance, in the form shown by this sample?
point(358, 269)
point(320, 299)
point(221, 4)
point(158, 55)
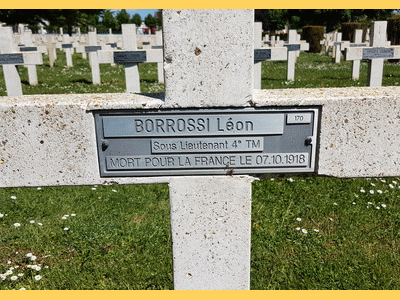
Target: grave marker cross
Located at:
point(376, 54)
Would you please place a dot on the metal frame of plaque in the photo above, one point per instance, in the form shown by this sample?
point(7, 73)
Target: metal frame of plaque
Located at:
point(89, 49)
point(129, 57)
point(67, 46)
point(292, 47)
point(262, 54)
point(377, 52)
point(26, 49)
point(11, 59)
point(133, 143)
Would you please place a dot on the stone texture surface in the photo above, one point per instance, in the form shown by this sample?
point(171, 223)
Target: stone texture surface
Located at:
point(210, 225)
point(206, 61)
point(360, 128)
point(359, 133)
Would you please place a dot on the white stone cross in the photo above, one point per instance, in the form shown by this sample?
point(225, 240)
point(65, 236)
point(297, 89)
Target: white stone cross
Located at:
point(26, 39)
point(293, 47)
point(336, 47)
point(51, 48)
point(206, 67)
point(67, 46)
point(376, 54)
point(132, 78)
point(93, 58)
point(357, 42)
point(9, 58)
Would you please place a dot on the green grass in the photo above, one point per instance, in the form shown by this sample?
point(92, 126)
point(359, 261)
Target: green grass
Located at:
point(120, 235)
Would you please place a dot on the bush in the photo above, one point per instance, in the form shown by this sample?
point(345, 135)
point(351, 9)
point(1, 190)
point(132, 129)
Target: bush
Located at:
point(349, 28)
point(313, 35)
point(393, 30)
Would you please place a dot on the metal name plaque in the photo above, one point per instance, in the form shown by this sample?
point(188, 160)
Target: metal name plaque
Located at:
point(337, 43)
point(358, 45)
point(370, 53)
point(156, 47)
point(26, 49)
point(89, 49)
point(134, 143)
point(293, 47)
point(146, 43)
point(66, 46)
point(262, 54)
point(11, 59)
point(129, 57)
point(112, 45)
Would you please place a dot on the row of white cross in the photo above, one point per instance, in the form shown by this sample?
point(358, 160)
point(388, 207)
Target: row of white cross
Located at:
point(356, 52)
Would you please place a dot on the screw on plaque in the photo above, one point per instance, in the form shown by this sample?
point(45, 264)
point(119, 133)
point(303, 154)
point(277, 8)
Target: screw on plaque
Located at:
point(104, 145)
point(308, 141)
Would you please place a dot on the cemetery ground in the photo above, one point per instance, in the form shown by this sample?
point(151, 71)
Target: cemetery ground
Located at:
point(307, 232)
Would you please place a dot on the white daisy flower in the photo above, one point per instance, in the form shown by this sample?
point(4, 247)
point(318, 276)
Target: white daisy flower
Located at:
point(66, 228)
point(22, 289)
point(33, 258)
point(40, 224)
point(383, 205)
point(298, 228)
point(373, 184)
point(371, 192)
point(20, 274)
point(378, 207)
point(14, 197)
point(63, 217)
point(1, 215)
point(304, 231)
point(29, 255)
point(316, 230)
point(298, 219)
point(391, 186)
point(17, 224)
point(13, 278)
point(38, 277)
point(379, 191)
point(73, 215)
point(32, 221)
point(362, 190)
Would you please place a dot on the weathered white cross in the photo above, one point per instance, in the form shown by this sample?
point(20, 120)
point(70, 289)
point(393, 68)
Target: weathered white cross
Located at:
point(9, 58)
point(209, 103)
point(376, 54)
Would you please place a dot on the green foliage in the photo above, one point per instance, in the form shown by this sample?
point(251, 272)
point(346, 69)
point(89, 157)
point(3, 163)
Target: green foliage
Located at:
point(69, 18)
point(108, 21)
point(122, 18)
point(150, 21)
point(393, 30)
point(137, 20)
point(313, 35)
point(275, 19)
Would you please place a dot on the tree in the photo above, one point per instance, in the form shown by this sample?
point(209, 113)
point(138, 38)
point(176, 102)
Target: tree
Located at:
point(68, 18)
point(272, 19)
point(109, 21)
point(32, 17)
point(275, 19)
point(122, 18)
point(137, 20)
point(150, 21)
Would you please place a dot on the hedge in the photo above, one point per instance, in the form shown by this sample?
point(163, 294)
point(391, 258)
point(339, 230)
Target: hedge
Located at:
point(313, 35)
point(349, 28)
point(393, 30)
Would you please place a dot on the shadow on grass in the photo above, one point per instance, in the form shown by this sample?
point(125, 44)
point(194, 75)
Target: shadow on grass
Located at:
point(82, 80)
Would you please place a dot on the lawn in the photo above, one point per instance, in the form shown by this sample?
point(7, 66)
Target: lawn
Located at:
point(307, 232)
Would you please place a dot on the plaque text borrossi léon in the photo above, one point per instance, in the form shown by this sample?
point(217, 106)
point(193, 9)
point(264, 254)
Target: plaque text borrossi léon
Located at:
point(206, 141)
